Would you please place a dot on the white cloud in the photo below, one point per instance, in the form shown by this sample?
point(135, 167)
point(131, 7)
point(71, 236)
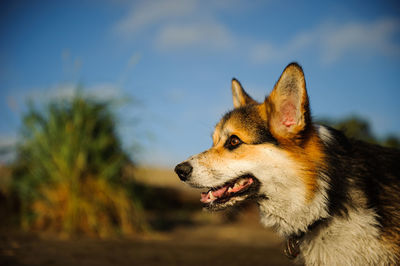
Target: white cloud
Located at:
point(148, 13)
point(176, 24)
point(208, 34)
point(265, 51)
point(332, 41)
point(365, 38)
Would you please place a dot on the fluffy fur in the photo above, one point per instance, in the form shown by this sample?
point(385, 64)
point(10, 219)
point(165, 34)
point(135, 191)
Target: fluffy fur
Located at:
point(339, 197)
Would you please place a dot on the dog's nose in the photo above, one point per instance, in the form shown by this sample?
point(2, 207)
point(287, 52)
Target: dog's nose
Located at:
point(183, 170)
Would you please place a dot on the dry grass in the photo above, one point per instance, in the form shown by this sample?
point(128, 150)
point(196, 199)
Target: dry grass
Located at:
point(68, 172)
point(94, 211)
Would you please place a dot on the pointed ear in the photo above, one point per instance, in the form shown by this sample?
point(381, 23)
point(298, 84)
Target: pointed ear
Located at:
point(289, 112)
point(240, 97)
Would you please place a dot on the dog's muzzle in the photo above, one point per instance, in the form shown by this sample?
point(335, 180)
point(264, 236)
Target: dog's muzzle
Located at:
point(183, 170)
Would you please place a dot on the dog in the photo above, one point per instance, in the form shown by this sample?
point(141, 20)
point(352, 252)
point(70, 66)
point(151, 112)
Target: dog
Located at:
point(335, 200)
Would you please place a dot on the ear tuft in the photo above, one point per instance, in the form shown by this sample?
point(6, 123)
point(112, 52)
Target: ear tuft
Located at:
point(240, 97)
point(290, 113)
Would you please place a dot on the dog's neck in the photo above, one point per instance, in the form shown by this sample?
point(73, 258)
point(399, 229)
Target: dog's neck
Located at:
point(293, 242)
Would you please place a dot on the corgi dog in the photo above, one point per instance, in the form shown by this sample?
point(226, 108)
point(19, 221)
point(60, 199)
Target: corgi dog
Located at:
point(335, 200)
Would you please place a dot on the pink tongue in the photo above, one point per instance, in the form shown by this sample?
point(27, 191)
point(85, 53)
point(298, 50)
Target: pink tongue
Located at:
point(204, 197)
point(219, 192)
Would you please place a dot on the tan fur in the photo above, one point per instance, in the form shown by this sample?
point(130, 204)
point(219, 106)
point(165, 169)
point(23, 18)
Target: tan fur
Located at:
point(308, 153)
point(310, 158)
point(240, 97)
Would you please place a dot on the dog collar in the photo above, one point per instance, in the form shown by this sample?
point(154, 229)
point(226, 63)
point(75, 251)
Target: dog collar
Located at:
point(292, 246)
point(293, 242)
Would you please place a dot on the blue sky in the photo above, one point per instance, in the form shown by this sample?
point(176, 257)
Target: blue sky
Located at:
point(177, 58)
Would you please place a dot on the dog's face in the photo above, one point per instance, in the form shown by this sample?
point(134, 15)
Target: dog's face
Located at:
point(265, 151)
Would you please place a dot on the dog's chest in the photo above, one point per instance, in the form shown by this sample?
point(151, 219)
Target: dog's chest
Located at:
point(354, 240)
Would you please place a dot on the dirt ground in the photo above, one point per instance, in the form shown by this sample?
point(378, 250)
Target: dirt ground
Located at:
point(234, 244)
point(181, 234)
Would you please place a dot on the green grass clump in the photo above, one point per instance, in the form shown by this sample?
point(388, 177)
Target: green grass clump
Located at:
point(68, 175)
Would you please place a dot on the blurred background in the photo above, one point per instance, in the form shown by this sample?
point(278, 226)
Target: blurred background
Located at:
point(101, 99)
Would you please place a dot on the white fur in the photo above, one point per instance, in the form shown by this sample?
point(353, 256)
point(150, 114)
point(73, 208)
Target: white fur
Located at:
point(351, 240)
point(286, 208)
point(324, 134)
point(289, 215)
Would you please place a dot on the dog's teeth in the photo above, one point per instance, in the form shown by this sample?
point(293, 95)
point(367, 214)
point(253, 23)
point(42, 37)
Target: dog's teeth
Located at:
point(211, 196)
point(230, 190)
point(242, 181)
point(236, 185)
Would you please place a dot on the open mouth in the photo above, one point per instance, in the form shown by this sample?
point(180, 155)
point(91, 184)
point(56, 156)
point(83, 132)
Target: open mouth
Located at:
point(231, 193)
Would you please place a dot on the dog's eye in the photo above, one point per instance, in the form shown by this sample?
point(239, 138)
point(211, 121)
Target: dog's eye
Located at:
point(233, 142)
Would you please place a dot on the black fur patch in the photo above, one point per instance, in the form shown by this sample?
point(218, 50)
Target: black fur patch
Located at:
point(337, 151)
point(248, 115)
point(373, 169)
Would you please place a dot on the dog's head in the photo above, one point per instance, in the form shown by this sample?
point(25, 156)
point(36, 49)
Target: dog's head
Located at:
point(267, 151)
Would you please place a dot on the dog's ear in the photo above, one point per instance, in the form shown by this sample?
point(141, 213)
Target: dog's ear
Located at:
point(288, 106)
point(240, 97)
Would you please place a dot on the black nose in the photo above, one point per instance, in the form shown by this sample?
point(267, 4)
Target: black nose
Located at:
point(183, 170)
